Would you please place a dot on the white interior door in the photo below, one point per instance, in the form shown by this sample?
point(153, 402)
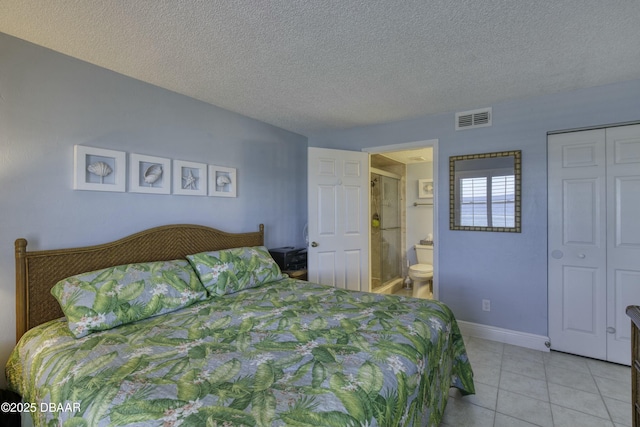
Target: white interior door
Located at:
point(623, 242)
point(594, 240)
point(338, 205)
point(577, 243)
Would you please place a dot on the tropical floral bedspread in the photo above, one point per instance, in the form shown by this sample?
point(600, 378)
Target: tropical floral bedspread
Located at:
point(288, 353)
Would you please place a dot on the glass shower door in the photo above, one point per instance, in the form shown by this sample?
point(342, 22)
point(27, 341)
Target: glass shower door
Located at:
point(390, 228)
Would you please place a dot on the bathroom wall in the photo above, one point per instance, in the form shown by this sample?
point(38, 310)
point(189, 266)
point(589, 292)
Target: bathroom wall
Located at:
point(419, 218)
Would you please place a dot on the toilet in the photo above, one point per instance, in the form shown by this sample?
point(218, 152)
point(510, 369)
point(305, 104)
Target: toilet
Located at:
point(422, 273)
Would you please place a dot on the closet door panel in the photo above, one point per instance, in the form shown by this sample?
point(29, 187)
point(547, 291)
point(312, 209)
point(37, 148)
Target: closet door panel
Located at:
point(576, 238)
point(623, 244)
point(580, 213)
point(627, 211)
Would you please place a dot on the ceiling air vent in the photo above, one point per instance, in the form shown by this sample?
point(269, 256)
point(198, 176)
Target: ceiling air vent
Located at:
point(473, 119)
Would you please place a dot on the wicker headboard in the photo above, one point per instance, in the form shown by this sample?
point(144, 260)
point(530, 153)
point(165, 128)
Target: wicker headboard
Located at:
point(38, 271)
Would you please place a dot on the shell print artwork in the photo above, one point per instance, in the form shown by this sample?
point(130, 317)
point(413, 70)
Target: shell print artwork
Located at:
point(152, 174)
point(190, 182)
point(100, 169)
point(223, 180)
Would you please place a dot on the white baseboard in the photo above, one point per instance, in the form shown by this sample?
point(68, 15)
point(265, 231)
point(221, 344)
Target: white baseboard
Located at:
point(507, 336)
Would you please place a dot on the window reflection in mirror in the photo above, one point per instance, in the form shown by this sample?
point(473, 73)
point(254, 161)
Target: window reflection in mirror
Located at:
point(485, 192)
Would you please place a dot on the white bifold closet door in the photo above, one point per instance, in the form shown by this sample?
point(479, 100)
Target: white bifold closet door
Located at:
point(594, 240)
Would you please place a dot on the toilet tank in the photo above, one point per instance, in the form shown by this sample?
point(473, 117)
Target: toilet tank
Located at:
point(424, 253)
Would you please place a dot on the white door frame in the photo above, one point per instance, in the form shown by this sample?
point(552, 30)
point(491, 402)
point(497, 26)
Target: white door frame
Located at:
point(433, 143)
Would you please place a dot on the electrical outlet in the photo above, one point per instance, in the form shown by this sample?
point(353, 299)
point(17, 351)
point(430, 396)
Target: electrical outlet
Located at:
point(486, 305)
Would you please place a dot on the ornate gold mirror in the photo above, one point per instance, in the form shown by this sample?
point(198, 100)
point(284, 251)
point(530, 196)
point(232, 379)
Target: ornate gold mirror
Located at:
point(484, 192)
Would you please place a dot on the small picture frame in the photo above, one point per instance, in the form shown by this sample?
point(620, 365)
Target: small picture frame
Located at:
point(99, 169)
point(149, 174)
point(222, 181)
point(189, 178)
point(425, 188)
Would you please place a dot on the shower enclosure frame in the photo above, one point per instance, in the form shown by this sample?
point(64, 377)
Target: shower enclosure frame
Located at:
point(386, 277)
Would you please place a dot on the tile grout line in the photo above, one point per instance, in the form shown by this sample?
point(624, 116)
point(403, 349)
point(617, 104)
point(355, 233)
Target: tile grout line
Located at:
point(606, 407)
point(546, 379)
point(495, 410)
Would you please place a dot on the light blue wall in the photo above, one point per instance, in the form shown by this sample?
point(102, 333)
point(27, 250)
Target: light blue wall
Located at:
point(508, 269)
point(50, 102)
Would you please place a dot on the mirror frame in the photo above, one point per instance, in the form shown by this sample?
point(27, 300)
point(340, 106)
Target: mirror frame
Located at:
point(517, 170)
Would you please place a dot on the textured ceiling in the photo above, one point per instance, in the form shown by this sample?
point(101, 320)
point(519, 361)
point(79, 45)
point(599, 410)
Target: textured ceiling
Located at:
point(407, 157)
point(312, 66)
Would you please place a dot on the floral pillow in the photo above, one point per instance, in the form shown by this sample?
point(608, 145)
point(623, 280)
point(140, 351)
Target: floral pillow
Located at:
point(232, 270)
point(104, 299)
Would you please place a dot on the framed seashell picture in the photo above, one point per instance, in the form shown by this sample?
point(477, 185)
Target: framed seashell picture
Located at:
point(99, 169)
point(222, 181)
point(189, 178)
point(425, 188)
point(149, 174)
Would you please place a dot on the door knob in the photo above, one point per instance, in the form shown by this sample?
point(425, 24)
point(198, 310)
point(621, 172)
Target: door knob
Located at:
point(314, 244)
point(582, 256)
point(611, 330)
point(557, 254)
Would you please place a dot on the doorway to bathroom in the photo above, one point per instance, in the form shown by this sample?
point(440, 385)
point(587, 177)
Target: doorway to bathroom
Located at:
point(400, 214)
point(357, 274)
point(386, 231)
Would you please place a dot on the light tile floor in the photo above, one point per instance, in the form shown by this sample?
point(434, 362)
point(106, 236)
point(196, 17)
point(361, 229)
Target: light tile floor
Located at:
point(518, 387)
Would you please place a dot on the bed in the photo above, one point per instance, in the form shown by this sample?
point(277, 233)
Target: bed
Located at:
point(239, 344)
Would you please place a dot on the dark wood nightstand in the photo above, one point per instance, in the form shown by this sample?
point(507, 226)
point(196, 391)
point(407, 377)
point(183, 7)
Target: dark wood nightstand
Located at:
point(297, 274)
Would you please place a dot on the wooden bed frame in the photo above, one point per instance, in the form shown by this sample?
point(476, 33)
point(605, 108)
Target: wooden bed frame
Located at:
point(38, 271)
